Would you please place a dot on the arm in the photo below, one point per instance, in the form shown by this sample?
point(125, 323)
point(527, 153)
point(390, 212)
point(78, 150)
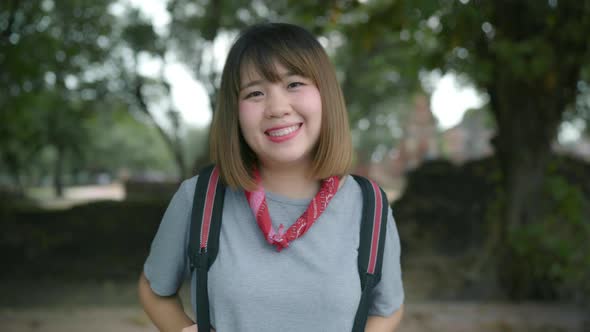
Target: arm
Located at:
point(167, 265)
point(166, 312)
point(384, 324)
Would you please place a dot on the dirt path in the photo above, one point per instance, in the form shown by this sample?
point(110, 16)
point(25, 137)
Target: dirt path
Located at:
point(74, 195)
point(419, 317)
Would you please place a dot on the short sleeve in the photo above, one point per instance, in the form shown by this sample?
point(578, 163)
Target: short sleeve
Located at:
point(167, 263)
point(388, 295)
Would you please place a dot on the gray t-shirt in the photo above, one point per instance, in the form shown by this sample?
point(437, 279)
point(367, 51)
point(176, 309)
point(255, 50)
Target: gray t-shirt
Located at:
point(313, 285)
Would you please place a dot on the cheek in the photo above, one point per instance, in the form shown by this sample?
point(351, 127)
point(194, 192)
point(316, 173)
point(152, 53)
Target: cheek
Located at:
point(313, 104)
point(244, 106)
point(315, 107)
point(315, 101)
point(249, 122)
point(245, 114)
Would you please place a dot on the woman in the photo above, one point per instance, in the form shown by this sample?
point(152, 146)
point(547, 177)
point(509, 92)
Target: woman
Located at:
point(288, 246)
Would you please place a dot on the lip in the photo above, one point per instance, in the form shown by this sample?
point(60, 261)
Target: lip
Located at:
point(283, 126)
point(279, 139)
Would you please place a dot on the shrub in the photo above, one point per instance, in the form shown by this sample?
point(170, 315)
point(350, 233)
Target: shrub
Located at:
point(551, 257)
point(97, 240)
point(452, 210)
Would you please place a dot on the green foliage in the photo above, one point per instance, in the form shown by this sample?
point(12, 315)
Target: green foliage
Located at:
point(65, 61)
point(121, 141)
point(551, 256)
point(457, 210)
point(139, 34)
point(47, 48)
point(484, 39)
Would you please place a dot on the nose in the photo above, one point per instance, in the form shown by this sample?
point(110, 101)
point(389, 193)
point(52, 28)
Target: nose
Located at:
point(277, 104)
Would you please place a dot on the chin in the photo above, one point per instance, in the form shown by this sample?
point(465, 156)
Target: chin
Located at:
point(289, 160)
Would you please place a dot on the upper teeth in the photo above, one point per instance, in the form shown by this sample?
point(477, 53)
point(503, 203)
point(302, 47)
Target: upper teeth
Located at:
point(283, 131)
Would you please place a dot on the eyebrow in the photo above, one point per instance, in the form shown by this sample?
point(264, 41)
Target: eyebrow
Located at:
point(255, 82)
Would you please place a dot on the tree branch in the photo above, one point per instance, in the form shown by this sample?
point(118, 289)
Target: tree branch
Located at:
point(8, 30)
point(175, 148)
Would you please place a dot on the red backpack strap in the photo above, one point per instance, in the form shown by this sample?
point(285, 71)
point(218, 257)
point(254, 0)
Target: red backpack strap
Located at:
point(371, 246)
point(204, 235)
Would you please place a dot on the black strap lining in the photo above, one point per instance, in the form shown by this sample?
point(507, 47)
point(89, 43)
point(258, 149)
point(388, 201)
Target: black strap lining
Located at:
point(215, 227)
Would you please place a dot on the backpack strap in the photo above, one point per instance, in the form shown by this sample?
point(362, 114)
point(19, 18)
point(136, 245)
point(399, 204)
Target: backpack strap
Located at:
point(371, 246)
point(204, 235)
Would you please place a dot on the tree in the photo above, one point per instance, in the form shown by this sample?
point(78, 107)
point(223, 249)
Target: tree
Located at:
point(48, 49)
point(135, 38)
point(528, 56)
point(118, 142)
point(531, 58)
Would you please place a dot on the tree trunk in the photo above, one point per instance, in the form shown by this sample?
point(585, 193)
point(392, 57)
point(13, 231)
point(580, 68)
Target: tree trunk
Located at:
point(530, 87)
point(528, 118)
point(173, 145)
point(58, 173)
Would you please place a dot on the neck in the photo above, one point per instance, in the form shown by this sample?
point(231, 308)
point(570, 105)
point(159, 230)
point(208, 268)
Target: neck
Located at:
point(289, 182)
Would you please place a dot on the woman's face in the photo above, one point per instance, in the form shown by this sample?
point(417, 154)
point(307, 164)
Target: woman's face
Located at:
point(280, 121)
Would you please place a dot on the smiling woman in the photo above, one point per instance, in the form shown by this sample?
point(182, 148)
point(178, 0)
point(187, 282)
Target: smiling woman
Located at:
point(298, 244)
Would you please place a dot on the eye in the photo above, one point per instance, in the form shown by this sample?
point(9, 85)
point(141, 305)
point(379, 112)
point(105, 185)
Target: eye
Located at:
point(295, 85)
point(253, 94)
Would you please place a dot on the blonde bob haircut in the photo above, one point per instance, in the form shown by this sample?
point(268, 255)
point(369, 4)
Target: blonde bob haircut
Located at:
point(259, 47)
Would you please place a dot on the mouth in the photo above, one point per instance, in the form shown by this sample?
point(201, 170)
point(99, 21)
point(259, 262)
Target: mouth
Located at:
point(284, 131)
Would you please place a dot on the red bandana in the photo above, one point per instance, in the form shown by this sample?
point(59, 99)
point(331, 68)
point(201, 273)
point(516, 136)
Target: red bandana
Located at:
point(281, 239)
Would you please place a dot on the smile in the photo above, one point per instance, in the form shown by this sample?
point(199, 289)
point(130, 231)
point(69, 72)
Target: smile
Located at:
point(283, 131)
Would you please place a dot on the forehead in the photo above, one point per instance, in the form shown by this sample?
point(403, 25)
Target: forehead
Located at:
point(272, 71)
point(250, 71)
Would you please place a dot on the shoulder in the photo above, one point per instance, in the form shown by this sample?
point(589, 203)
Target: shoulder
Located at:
point(357, 189)
point(349, 194)
point(356, 182)
point(187, 187)
point(363, 181)
point(349, 186)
